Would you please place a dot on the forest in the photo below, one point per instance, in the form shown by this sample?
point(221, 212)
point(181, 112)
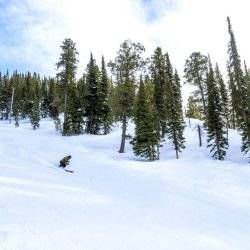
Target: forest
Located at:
point(146, 91)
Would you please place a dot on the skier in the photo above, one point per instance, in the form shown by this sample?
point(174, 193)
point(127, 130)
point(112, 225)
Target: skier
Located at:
point(65, 161)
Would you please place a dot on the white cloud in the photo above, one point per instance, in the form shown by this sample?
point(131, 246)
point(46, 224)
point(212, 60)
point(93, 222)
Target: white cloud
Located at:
point(100, 26)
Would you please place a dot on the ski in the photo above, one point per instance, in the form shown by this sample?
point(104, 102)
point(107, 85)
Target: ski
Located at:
point(69, 171)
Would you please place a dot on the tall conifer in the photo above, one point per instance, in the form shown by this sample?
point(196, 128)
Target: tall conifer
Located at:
point(240, 91)
point(223, 96)
point(67, 67)
point(175, 120)
point(146, 139)
point(92, 100)
point(104, 107)
point(158, 74)
point(215, 126)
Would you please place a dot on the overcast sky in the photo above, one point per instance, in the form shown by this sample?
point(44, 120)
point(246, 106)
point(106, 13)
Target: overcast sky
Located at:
point(31, 31)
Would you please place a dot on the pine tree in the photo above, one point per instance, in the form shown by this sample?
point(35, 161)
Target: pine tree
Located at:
point(82, 91)
point(240, 91)
point(44, 99)
point(246, 131)
point(125, 67)
point(232, 99)
point(5, 96)
point(34, 102)
point(35, 114)
point(146, 139)
point(92, 100)
point(158, 75)
point(223, 96)
point(215, 126)
point(195, 74)
point(114, 101)
point(52, 94)
point(159, 79)
point(149, 89)
point(104, 107)
point(16, 109)
point(175, 121)
point(67, 65)
point(27, 94)
point(73, 124)
point(54, 103)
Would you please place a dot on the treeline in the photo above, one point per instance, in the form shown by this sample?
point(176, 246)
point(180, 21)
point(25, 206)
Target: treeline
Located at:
point(26, 96)
point(146, 91)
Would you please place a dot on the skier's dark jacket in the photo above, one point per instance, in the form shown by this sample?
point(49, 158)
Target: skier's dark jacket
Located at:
point(65, 161)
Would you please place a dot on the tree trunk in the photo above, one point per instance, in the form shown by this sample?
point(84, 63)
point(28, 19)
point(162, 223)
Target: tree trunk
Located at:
point(158, 152)
point(177, 154)
point(247, 122)
point(123, 140)
point(199, 134)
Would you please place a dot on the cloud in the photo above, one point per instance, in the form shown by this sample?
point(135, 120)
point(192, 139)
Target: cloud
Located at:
point(155, 9)
point(36, 29)
point(32, 31)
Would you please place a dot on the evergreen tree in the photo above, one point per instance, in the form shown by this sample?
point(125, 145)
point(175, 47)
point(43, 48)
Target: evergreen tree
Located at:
point(73, 124)
point(17, 108)
point(82, 91)
point(232, 100)
point(215, 126)
point(195, 74)
point(125, 67)
point(240, 91)
point(27, 94)
point(5, 96)
point(92, 100)
point(104, 107)
point(223, 96)
point(175, 121)
point(35, 114)
point(158, 75)
point(52, 95)
point(146, 139)
point(114, 101)
point(45, 102)
point(246, 131)
point(67, 66)
point(34, 102)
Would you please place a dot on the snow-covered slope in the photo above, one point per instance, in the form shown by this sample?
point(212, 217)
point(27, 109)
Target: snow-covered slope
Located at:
point(116, 202)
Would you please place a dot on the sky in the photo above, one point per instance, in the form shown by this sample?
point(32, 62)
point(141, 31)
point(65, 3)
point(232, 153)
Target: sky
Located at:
point(31, 31)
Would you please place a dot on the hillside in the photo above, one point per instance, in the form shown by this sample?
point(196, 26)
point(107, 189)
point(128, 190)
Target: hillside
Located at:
point(117, 202)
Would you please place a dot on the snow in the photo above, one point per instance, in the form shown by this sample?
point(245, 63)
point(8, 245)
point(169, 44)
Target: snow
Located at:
point(116, 201)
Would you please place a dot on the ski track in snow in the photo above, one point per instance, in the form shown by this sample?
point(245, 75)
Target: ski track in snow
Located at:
point(116, 201)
